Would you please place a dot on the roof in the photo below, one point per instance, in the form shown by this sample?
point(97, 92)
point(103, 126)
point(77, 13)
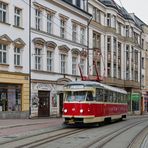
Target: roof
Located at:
point(97, 84)
point(121, 10)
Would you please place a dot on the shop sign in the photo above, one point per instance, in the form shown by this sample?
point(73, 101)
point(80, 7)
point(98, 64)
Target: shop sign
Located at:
point(135, 96)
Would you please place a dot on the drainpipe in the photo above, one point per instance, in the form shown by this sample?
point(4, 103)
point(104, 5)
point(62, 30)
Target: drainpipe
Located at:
point(29, 58)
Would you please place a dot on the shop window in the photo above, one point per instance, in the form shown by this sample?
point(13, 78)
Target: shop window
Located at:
point(10, 97)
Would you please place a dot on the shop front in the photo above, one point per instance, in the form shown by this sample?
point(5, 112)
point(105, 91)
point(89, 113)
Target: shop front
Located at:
point(44, 100)
point(14, 96)
point(47, 98)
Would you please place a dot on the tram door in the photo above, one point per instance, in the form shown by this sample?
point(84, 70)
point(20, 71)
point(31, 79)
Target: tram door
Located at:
point(43, 109)
point(61, 102)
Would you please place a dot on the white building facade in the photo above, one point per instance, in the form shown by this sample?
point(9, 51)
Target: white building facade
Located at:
point(58, 43)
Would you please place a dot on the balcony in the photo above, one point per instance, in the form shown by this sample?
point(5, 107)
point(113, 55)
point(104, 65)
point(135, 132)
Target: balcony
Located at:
point(114, 81)
point(131, 83)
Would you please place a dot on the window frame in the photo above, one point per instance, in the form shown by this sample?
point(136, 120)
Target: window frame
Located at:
point(49, 23)
point(17, 17)
point(50, 61)
point(38, 58)
point(38, 19)
point(17, 55)
point(3, 11)
point(63, 63)
point(3, 54)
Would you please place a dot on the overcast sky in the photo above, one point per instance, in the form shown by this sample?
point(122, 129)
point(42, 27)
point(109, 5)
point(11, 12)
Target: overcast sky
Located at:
point(138, 7)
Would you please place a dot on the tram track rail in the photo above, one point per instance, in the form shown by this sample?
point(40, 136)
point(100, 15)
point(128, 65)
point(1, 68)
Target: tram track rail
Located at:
point(39, 139)
point(139, 138)
point(105, 139)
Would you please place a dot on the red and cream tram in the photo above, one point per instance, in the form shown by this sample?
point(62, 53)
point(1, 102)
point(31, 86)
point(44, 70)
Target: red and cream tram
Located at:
point(93, 102)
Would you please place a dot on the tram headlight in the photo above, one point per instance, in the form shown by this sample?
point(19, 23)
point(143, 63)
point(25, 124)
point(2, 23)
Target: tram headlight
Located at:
point(65, 110)
point(81, 110)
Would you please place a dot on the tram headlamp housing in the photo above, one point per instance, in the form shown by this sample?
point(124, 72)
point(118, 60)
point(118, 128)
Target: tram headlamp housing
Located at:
point(81, 110)
point(65, 110)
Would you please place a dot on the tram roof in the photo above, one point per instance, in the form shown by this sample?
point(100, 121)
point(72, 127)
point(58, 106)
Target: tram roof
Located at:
point(97, 84)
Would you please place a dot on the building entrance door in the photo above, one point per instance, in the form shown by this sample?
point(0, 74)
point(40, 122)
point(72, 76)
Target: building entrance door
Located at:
point(44, 103)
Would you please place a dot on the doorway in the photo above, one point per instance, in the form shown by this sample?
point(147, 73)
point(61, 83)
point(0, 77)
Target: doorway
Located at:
point(44, 103)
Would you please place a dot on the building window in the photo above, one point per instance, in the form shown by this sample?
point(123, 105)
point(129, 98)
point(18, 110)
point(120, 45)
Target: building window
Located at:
point(78, 3)
point(127, 30)
point(114, 21)
point(37, 19)
point(114, 70)
point(136, 76)
point(142, 62)
point(94, 13)
point(119, 72)
point(96, 40)
point(62, 28)
point(69, 1)
point(98, 16)
point(49, 23)
point(63, 63)
point(108, 44)
point(17, 56)
point(82, 35)
point(3, 54)
point(108, 69)
point(3, 12)
point(17, 17)
point(74, 32)
point(74, 65)
point(119, 28)
point(109, 19)
point(127, 74)
point(82, 65)
point(38, 58)
point(114, 44)
point(142, 43)
point(10, 97)
point(49, 60)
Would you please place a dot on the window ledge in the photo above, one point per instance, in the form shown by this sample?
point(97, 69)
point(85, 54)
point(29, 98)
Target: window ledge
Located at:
point(4, 65)
point(18, 27)
point(18, 66)
point(5, 23)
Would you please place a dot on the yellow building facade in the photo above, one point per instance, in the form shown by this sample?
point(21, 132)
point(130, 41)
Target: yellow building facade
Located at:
point(14, 95)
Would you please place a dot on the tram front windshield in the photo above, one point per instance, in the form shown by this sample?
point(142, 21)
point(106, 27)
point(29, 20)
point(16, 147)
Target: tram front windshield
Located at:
point(72, 96)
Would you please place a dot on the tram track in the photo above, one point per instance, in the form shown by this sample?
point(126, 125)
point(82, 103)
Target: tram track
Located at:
point(138, 139)
point(39, 139)
point(105, 139)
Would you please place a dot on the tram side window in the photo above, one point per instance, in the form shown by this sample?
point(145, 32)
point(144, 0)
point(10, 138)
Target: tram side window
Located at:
point(115, 99)
point(89, 96)
point(110, 96)
point(122, 98)
point(99, 94)
point(125, 98)
point(106, 96)
point(119, 97)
